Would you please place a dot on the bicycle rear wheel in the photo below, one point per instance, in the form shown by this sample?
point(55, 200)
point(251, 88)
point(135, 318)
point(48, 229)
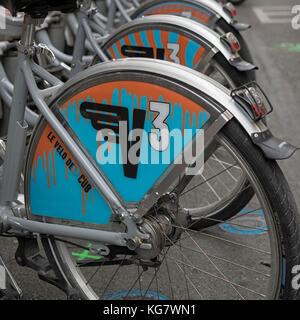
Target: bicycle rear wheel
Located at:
point(255, 264)
point(187, 264)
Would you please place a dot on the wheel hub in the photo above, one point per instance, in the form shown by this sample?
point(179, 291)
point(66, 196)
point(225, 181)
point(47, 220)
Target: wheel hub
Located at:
point(164, 224)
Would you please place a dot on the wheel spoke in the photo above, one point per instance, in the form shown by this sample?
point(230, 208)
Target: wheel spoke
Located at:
point(112, 277)
point(208, 273)
point(215, 266)
point(219, 238)
point(169, 276)
point(233, 223)
point(184, 272)
point(217, 277)
point(137, 280)
point(188, 278)
point(200, 184)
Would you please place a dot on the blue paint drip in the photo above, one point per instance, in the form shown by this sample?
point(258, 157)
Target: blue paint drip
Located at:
point(64, 200)
point(122, 42)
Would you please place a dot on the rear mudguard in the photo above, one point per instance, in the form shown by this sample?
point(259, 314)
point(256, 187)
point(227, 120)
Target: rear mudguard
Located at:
point(154, 32)
point(93, 99)
point(272, 147)
point(205, 11)
point(258, 131)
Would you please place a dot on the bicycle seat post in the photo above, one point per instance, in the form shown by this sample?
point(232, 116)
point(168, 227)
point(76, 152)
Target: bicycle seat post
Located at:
point(29, 26)
point(17, 129)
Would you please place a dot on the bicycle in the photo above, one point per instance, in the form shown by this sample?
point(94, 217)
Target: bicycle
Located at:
point(200, 49)
point(205, 39)
point(219, 17)
point(144, 232)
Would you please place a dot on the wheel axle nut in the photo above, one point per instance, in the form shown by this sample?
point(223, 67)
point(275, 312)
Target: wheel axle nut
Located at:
point(134, 243)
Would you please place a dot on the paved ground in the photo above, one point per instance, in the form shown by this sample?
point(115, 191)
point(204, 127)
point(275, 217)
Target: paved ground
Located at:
point(276, 50)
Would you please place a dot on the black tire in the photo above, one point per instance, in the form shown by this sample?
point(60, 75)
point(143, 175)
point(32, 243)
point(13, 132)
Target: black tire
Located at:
point(284, 211)
point(238, 78)
point(281, 199)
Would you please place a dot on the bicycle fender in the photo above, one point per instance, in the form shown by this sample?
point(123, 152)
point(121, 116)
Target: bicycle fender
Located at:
point(210, 39)
point(212, 10)
point(119, 90)
point(209, 87)
point(272, 147)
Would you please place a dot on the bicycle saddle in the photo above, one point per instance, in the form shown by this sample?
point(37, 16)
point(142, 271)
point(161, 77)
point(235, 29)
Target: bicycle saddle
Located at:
point(38, 8)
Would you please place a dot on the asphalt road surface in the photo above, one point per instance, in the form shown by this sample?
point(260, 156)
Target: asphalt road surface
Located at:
point(275, 46)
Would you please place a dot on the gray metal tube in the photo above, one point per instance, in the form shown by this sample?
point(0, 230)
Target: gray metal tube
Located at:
point(6, 96)
point(31, 117)
point(94, 25)
point(65, 231)
point(13, 163)
point(16, 136)
point(4, 81)
point(45, 75)
point(79, 155)
point(97, 20)
point(122, 10)
point(111, 16)
point(43, 37)
point(93, 42)
point(6, 91)
point(73, 23)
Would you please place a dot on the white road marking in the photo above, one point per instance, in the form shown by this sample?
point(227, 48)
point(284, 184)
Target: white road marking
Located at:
point(274, 14)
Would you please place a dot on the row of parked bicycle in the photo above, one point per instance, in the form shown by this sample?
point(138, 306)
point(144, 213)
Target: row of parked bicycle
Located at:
point(145, 227)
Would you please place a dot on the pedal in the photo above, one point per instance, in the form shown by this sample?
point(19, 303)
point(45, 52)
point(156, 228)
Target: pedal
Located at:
point(9, 288)
point(28, 255)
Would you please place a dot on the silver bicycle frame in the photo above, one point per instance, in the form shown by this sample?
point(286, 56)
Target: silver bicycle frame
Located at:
point(84, 36)
point(78, 61)
point(16, 139)
point(13, 164)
